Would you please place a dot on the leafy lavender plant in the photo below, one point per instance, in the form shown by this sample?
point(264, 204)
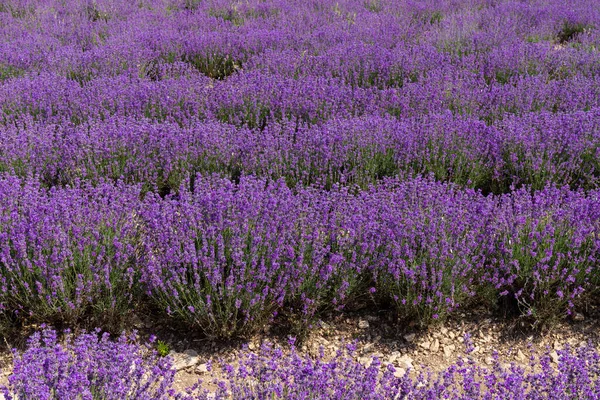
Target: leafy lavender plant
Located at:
point(88, 366)
point(278, 373)
point(68, 255)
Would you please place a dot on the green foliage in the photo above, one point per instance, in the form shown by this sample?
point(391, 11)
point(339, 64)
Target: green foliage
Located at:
point(192, 5)
point(9, 71)
point(232, 16)
point(18, 12)
point(454, 164)
point(220, 311)
point(542, 245)
point(162, 348)
point(373, 5)
point(570, 31)
point(251, 114)
point(214, 65)
point(504, 76)
point(81, 77)
point(364, 77)
point(537, 168)
point(382, 164)
point(436, 17)
point(108, 301)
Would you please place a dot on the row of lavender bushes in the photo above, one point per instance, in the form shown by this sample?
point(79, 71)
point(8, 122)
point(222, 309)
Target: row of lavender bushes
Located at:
point(89, 37)
point(286, 66)
point(534, 150)
point(415, 41)
point(228, 258)
point(91, 366)
point(257, 99)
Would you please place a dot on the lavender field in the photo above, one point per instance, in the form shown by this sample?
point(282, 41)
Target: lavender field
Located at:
point(227, 167)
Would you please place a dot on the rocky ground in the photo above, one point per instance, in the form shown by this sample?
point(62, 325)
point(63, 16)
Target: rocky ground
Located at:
point(377, 334)
point(405, 347)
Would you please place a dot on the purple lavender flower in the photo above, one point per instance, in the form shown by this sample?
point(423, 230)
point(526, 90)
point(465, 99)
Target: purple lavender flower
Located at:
point(89, 365)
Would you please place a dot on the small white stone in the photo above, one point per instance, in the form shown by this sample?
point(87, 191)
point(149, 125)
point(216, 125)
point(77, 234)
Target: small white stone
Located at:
point(405, 362)
point(410, 337)
point(555, 357)
point(324, 325)
point(435, 346)
point(367, 347)
point(448, 350)
point(365, 361)
point(399, 372)
point(578, 317)
point(202, 368)
point(137, 322)
point(426, 345)
point(393, 356)
point(184, 360)
point(556, 345)
point(363, 324)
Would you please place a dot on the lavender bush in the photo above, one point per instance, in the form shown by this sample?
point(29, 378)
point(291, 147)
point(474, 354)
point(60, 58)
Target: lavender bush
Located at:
point(88, 366)
point(436, 247)
point(547, 249)
point(276, 373)
point(68, 255)
point(228, 258)
point(229, 163)
point(225, 258)
point(532, 150)
point(91, 366)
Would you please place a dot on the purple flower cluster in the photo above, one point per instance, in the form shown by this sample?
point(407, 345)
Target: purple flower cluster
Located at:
point(91, 366)
point(483, 94)
point(227, 258)
point(232, 162)
point(88, 366)
point(68, 254)
point(534, 150)
point(228, 254)
point(276, 373)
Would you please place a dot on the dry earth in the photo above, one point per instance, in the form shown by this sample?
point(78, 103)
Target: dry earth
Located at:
point(377, 334)
point(404, 346)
